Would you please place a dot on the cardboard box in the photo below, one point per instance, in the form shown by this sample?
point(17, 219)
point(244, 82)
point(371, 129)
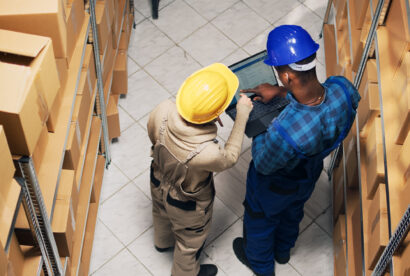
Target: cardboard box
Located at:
point(113, 118)
point(68, 188)
point(40, 148)
point(120, 76)
point(75, 17)
point(402, 79)
point(7, 168)
point(16, 256)
point(338, 191)
point(84, 85)
point(3, 260)
point(80, 114)
point(339, 245)
point(63, 223)
point(378, 233)
point(330, 49)
point(368, 108)
point(73, 151)
point(374, 158)
point(352, 176)
point(108, 60)
point(103, 25)
point(98, 180)
point(89, 64)
point(44, 18)
point(54, 112)
point(354, 243)
point(124, 39)
point(62, 68)
point(8, 204)
point(27, 67)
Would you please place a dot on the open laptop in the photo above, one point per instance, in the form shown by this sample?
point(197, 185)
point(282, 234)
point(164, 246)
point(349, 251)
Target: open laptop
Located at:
point(251, 72)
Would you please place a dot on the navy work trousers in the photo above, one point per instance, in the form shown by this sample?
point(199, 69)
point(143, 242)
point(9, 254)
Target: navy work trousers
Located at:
point(271, 220)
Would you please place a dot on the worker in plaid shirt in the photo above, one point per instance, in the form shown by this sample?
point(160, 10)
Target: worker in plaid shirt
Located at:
point(288, 157)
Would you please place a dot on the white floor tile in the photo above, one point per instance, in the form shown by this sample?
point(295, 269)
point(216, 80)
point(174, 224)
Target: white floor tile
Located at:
point(159, 264)
point(222, 218)
point(208, 45)
point(221, 253)
point(258, 43)
point(172, 68)
point(127, 213)
point(305, 17)
point(318, 6)
point(105, 246)
point(306, 221)
point(285, 270)
point(272, 10)
point(320, 199)
point(143, 183)
point(173, 20)
point(138, 17)
point(236, 56)
point(144, 94)
point(211, 8)
point(313, 252)
point(132, 151)
point(132, 67)
point(125, 119)
point(230, 191)
point(243, 30)
point(325, 221)
point(144, 121)
point(147, 42)
point(113, 180)
point(124, 263)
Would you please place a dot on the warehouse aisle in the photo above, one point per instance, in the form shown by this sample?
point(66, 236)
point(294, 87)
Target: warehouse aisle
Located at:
point(188, 35)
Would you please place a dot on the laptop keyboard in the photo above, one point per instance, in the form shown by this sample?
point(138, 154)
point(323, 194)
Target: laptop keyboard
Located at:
point(260, 109)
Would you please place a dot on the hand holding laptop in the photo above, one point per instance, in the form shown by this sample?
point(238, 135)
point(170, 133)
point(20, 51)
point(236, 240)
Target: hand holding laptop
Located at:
point(265, 92)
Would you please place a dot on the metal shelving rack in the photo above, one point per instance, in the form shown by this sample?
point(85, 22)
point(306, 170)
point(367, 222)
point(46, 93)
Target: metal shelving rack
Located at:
point(370, 48)
point(31, 195)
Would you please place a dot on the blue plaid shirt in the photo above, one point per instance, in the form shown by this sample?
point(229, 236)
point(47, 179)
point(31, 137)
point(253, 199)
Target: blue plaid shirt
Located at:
point(313, 128)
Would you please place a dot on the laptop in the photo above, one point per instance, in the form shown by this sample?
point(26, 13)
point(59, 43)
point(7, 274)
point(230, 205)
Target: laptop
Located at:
point(251, 72)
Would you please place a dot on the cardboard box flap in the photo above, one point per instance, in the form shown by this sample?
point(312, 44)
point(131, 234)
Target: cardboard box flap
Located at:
point(13, 83)
point(28, 7)
point(22, 44)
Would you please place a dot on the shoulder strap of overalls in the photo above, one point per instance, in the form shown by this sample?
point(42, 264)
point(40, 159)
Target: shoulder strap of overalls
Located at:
point(339, 139)
point(198, 149)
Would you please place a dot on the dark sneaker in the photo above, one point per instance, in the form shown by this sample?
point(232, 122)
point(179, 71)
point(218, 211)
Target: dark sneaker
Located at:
point(207, 270)
point(240, 254)
point(159, 249)
point(282, 258)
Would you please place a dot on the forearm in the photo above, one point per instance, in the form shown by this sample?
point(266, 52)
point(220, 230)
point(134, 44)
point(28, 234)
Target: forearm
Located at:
point(233, 145)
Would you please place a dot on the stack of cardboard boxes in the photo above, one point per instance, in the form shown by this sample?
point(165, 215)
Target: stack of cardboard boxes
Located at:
point(383, 137)
point(48, 92)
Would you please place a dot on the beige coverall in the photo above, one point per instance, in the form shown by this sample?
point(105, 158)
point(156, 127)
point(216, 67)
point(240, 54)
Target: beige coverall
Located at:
point(182, 186)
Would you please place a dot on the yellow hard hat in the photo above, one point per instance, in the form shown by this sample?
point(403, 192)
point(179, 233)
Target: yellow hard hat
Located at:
point(206, 93)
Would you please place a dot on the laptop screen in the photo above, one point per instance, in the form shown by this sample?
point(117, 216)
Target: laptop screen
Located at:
point(251, 72)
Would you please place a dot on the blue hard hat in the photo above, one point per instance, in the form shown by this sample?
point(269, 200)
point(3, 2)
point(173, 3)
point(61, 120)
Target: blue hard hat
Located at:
point(289, 44)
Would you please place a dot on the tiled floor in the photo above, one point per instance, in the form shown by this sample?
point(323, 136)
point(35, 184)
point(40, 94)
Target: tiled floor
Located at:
point(188, 35)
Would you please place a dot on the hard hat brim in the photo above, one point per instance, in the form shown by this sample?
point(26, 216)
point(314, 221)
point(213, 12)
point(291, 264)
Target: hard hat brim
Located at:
point(232, 83)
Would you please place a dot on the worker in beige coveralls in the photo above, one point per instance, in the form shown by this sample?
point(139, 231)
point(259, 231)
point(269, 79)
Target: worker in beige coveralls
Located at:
point(185, 155)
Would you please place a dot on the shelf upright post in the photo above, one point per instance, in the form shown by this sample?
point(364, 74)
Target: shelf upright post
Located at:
point(100, 103)
point(38, 219)
point(399, 234)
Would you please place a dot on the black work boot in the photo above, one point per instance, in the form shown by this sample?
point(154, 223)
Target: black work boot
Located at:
point(282, 258)
point(240, 254)
point(159, 249)
point(207, 270)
